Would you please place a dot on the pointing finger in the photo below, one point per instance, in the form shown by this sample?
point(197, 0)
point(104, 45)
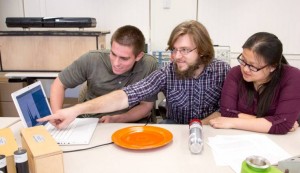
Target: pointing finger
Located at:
point(52, 117)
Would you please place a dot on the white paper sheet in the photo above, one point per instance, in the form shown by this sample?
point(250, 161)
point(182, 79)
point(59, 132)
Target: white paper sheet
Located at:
point(234, 149)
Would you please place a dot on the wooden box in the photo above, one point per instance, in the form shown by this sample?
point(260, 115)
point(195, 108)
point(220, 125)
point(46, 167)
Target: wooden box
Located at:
point(44, 154)
point(8, 146)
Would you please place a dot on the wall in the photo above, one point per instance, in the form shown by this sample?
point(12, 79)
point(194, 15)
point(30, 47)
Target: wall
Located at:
point(164, 18)
point(231, 22)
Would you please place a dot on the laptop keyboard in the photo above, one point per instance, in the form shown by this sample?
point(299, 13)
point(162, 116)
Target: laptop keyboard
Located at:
point(61, 134)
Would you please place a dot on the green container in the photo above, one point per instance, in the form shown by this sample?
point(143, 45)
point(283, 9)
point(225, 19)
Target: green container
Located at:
point(257, 164)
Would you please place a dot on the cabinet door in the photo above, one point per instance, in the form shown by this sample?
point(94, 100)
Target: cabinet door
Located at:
point(43, 53)
point(7, 107)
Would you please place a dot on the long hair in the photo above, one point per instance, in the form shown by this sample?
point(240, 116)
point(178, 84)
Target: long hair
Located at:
point(130, 36)
point(198, 34)
point(268, 47)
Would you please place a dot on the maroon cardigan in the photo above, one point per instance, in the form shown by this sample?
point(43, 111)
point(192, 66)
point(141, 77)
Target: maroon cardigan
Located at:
point(283, 111)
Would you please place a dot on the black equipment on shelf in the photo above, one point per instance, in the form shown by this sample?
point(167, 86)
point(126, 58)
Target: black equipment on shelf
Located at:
point(51, 22)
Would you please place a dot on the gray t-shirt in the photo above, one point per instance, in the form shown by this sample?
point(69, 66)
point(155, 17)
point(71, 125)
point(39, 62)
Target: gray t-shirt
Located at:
point(95, 68)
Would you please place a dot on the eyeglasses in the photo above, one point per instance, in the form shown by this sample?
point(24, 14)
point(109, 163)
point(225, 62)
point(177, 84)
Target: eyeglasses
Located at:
point(182, 51)
point(251, 67)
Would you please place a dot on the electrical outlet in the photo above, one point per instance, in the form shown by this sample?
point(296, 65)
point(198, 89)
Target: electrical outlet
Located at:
point(166, 4)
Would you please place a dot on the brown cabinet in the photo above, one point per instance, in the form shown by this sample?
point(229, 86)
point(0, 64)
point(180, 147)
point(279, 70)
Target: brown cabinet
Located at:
point(7, 107)
point(46, 50)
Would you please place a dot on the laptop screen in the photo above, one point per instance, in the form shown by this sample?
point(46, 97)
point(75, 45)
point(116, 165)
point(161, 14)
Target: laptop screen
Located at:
point(33, 105)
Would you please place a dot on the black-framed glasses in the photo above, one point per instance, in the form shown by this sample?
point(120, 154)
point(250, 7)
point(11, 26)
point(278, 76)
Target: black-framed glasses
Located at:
point(182, 51)
point(251, 67)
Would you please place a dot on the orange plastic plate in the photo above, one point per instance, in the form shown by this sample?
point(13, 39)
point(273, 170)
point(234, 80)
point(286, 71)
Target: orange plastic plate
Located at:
point(142, 137)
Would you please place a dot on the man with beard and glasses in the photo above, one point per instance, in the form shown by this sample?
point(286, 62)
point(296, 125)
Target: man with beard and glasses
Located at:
point(192, 82)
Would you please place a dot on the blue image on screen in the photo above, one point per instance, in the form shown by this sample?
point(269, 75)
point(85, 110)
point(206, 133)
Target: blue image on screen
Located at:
point(33, 105)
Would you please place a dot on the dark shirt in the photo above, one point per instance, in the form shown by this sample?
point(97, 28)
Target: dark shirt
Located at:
point(185, 99)
point(283, 111)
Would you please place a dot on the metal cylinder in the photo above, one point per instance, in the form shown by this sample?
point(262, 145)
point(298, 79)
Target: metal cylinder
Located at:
point(3, 166)
point(21, 161)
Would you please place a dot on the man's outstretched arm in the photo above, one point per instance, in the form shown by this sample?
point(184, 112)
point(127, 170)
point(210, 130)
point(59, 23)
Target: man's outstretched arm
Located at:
point(113, 101)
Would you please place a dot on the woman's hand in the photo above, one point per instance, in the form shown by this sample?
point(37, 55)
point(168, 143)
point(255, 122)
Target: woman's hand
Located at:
point(295, 126)
point(222, 123)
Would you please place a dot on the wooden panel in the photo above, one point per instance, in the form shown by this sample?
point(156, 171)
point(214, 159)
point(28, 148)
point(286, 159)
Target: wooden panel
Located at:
point(8, 109)
point(44, 53)
point(7, 88)
point(2, 77)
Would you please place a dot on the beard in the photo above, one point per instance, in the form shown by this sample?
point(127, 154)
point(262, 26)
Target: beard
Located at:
point(189, 72)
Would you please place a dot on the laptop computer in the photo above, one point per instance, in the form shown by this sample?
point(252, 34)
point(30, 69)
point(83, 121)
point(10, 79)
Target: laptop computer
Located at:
point(31, 103)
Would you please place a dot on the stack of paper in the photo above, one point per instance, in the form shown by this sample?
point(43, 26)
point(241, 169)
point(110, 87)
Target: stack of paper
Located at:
point(234, 149)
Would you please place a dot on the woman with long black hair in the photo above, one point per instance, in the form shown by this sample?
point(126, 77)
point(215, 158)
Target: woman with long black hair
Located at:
point(263, 93)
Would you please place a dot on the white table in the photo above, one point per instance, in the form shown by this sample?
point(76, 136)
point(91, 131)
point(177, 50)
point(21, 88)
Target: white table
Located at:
point(174, 157)
point(6, 122)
